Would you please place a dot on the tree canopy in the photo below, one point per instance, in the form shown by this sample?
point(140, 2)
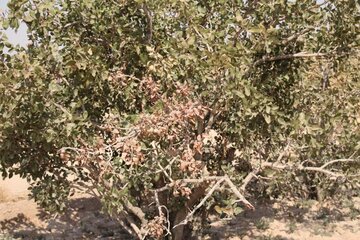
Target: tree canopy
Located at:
point(165, 101)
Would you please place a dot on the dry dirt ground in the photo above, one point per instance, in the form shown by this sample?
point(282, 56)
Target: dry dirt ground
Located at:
point(20, 218)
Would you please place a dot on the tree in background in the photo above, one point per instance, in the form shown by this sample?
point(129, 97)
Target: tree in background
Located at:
point(158, 107)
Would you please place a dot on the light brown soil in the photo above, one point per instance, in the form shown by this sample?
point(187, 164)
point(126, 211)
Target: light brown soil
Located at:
point(309, 220)
point(21, 218)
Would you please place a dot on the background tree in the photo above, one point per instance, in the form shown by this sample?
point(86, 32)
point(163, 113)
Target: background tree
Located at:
point(153, 106)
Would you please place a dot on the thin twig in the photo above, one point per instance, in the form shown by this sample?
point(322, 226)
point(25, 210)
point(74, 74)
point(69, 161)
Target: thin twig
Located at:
point(159, 207)
point(77, 150)
point(167, 220)
point(165, 173)
point(158, 203)
point(321, 170)
point(167, 166)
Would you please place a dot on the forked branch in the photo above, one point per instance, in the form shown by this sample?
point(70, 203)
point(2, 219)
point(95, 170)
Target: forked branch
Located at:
point(216, 186)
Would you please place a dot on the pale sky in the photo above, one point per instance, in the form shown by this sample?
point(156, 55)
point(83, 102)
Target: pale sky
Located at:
point(3, 3)
point(18, 37)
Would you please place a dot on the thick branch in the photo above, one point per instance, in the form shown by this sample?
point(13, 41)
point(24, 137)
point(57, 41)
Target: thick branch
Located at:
point(216, 186)
point(237, 193)
point(137, 212)
point(190, 215)
point(248, 179)
point(133, 225)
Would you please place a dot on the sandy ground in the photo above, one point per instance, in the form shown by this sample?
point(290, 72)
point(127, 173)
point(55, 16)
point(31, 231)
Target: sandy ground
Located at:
point(21, 218)
point(291, 222)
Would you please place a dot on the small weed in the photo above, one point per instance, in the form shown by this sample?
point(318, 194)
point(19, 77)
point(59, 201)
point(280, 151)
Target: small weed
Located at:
point(262, 224)
point(291, 227)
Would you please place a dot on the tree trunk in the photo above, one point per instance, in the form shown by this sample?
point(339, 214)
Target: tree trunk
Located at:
point(198, 193)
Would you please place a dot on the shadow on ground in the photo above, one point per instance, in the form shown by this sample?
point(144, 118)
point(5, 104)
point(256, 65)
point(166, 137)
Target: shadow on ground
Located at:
point(277, 221)
point(82, 220)
point(270, 221)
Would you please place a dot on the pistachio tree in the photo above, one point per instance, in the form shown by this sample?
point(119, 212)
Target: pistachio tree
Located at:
point(162, 108)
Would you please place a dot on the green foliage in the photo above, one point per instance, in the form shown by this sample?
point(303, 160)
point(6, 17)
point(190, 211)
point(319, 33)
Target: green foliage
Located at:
point(140, 101)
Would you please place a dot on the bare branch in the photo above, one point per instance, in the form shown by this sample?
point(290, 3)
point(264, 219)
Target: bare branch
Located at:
point(194, 181)
point(254, 173)
point(211, 191)
point(77, 150)
point(336, 161)
point(122, 220)
point(248, 179)
point(134, 228)
point(165, 173)
point(320, 169)
point(238, 194)
point(136, 211)
point(160, 207)
point(190, 215)
point(158, 203)
point(167, 166)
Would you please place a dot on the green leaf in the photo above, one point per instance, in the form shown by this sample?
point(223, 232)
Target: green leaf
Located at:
point(247, 91)
point(191, 40)
point(267, 118)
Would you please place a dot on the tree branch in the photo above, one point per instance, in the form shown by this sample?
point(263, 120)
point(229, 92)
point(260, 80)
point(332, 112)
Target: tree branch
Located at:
point(320, 169)
point(336, 161)
point(238, 194)
point(290, 56)
point(149, 21)
point(211, 191)
point(190, 215)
